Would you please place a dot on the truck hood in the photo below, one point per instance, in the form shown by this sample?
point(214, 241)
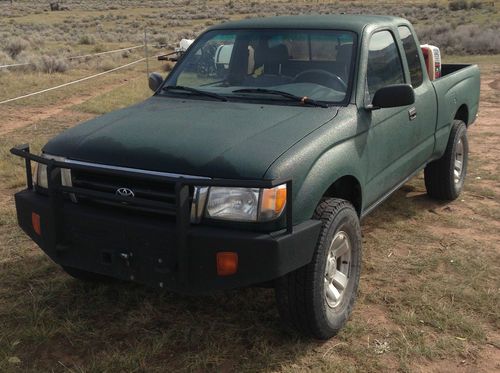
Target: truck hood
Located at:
point(194, 137)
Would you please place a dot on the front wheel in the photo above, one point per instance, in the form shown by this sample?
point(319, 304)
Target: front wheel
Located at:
point(318, 298)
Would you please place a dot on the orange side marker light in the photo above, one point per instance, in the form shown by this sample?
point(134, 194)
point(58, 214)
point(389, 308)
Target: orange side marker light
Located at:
point(227, 263)
point(35, 221)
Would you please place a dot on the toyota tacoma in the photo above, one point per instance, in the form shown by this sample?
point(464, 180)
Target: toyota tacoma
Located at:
point(254, 161)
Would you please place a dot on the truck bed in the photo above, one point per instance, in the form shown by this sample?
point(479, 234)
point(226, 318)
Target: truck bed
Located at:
point(458, 85)
point(449, 68)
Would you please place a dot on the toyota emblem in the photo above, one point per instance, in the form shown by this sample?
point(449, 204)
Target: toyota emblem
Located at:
point(125, 192)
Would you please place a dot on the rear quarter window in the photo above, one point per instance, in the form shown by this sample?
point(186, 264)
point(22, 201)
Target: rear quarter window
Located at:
point(412, 57)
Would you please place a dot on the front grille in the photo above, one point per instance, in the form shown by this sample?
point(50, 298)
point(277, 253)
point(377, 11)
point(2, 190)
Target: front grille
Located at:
point(148, 195)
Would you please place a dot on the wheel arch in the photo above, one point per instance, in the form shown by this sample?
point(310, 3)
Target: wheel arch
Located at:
point(463, 114)
point(344, 185)
point(336, 173)
point(347, 187)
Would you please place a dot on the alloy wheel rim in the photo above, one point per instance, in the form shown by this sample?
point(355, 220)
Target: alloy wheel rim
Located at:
point(338, 263)
point(458, 165)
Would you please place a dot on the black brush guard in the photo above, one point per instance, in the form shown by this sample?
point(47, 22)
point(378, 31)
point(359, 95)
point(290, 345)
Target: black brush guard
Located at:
point(181, 210)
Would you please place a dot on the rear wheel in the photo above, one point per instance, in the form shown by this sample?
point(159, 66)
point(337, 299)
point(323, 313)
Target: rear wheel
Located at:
point(445, 177)
point(318, 298)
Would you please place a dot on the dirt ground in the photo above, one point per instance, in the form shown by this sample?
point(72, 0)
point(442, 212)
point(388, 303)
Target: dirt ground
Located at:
point(481, 194)
point(429, 297)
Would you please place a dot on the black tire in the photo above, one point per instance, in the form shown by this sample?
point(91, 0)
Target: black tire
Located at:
point(86, 276)
point(300, 295)
point(440, 179)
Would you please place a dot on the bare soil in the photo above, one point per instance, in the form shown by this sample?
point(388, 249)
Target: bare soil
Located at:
point(14, 118)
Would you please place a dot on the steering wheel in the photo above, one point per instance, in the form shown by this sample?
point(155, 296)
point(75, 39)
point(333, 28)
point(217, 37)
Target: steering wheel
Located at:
point(321, 77)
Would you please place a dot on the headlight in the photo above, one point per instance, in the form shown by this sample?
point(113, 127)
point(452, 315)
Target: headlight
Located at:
point(41, 177)
point(246, 204)
point(233, 203)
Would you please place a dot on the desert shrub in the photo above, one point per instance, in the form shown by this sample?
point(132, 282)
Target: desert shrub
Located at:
point(14, 46)
point(51, 64)
point(478, 40)
point(28, 58)
point(464, 39)
point(475, 4)
point(98, 48)
point(36, 41)
point(458, 5)
point(161, 40)
point(106, 62)
point(5, 59)
point(86, 40)
point(45, 64)
point(106, 66)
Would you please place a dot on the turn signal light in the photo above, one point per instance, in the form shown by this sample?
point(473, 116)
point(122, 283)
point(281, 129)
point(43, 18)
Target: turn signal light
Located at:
point(273, 202)
point(227, 263)
point(35, 222)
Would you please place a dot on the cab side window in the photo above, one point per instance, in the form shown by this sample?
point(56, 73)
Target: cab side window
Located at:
point(412, 57)
point(384, 64)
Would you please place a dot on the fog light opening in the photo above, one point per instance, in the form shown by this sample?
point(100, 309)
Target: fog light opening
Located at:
point(227, 263)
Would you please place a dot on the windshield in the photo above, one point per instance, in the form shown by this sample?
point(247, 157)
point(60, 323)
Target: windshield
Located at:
point(313, 64)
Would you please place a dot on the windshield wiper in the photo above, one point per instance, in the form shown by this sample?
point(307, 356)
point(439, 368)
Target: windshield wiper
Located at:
point(303, 100)
point(195, 91)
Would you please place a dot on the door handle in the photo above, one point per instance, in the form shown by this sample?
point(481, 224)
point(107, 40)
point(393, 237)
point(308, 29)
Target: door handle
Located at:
point(412, 113)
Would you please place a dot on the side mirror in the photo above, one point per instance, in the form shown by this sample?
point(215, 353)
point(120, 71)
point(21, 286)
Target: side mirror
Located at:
point(155, 80)
point(393, 96)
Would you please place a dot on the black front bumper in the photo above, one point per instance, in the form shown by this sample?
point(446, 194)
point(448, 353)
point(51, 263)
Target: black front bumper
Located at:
point(147, 249)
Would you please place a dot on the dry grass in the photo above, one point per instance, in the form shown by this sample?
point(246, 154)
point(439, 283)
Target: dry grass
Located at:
point(422, 296)
point(429, 293)
point(91, 23)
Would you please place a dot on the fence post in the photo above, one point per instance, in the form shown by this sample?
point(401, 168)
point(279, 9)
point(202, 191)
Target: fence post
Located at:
point(146, 53)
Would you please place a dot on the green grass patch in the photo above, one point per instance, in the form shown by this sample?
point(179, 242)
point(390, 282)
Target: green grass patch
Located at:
point(125, 95)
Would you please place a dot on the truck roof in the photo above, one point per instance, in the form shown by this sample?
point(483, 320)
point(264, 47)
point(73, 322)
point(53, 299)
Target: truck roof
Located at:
point(354, 23)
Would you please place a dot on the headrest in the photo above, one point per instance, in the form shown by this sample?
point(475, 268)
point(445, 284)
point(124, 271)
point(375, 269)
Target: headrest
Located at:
point(344, 52)
point(277, 54)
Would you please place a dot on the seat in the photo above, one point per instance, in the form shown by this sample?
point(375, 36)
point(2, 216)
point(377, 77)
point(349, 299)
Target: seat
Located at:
point(343, 60)
point(275, 58)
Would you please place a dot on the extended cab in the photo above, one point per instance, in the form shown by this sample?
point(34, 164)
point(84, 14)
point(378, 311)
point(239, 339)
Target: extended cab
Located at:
point(254, 161)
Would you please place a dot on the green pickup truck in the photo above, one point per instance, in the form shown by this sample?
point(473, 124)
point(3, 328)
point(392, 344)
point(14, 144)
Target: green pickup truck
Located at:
point(253, 163)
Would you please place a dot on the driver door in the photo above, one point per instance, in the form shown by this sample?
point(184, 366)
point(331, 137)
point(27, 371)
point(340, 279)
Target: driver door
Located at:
point(390, 136)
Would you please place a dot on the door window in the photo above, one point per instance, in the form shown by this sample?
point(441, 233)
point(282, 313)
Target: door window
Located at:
point(384, 64)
